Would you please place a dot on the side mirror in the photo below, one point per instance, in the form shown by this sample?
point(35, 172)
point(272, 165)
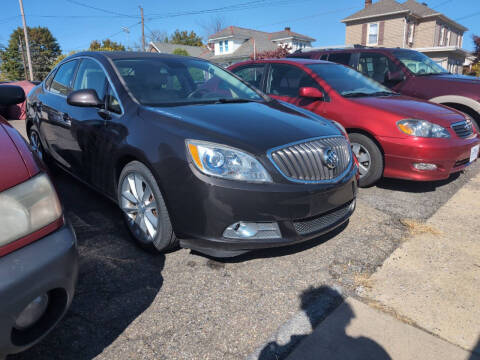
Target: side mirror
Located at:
point(311, 92)
point(84, 98)
point(11, 95)
point(396, 76)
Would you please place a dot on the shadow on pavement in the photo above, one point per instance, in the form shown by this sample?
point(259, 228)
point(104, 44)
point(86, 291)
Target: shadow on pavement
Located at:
point(117, 280)
point(317, 303)
point(415, 186)
point(476, 351)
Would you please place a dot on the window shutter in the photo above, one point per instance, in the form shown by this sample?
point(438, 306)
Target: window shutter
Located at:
point(364, 34)
point(381, 32)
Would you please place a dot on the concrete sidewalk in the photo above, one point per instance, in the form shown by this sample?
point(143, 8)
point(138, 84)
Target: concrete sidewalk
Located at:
point(424, 300)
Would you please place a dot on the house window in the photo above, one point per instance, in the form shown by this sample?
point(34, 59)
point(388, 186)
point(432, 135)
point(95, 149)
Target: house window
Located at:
point(449, 33)
point(373, 34)
point(459, 41)
point(226, 46)
point(220, 45)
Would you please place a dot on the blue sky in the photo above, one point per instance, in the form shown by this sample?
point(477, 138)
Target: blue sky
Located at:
point(75, 26)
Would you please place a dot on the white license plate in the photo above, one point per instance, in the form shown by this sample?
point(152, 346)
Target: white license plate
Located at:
point(474, 153)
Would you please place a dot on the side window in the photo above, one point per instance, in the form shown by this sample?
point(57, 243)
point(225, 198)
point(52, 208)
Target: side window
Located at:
point(113, 104)
point(49, 79)
point(62, 81)
point(286, 80)
point(90, 75)
point(340, 58)
point(324, 57)
point(377, 66)
point(253, 74)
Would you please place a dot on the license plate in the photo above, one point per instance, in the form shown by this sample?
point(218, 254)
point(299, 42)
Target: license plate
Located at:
point(474, 153)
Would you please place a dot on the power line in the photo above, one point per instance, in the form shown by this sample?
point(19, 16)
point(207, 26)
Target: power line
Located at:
point(99, 9)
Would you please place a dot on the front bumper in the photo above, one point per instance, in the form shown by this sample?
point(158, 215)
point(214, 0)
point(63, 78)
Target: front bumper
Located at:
point(449, 155)
point(206, 206)
point(48, 265)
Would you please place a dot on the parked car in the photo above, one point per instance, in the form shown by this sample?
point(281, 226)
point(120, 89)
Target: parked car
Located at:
point(410, 73)
point(38, 254)
point(191, 154)
point(391, 135)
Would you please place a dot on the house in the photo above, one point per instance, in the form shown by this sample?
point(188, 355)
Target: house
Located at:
point(409, 24)
point(234, 44)
point(168, 48)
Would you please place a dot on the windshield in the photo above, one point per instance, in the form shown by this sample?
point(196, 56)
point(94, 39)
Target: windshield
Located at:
point(349, 82)
point(418, 63)
point(166, 81)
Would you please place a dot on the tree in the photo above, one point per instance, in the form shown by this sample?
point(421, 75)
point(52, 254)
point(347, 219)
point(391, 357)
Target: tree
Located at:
point(106, 45)
point(185, 38)
point(44, 49)
point(280, 52)
point(179, 51)
point(152, 36)
point(213, 26)
point(62, 56)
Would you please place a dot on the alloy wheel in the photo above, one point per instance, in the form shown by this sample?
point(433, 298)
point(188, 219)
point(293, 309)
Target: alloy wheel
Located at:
point(363, 157)
point(35, 144)
point(140, 207)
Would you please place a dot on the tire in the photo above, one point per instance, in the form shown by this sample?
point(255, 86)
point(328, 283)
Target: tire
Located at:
point(370, 158)
point(37, 147)
point(142, 204)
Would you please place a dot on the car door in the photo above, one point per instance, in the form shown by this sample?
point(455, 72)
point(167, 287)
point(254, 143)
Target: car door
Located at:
point(54, 125)
point(284, 82)
point(252, 73)
point(87, 123)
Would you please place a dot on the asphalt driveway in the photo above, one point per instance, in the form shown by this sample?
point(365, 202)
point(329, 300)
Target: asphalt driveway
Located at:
point(131, 304)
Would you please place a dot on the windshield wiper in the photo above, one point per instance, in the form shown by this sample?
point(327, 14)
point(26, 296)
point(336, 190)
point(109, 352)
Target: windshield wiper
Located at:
point(383, 93)
point(356, 94)
point(430, 74)
point(233, 100)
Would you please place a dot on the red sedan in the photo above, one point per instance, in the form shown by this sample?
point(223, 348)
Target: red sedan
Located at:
point(391, 135)
point(38, 254)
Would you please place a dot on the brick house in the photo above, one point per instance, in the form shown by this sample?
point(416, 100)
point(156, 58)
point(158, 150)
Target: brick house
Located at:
point(389, 23)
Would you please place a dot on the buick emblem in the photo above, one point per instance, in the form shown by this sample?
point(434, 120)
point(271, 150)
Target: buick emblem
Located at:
point(330, 158)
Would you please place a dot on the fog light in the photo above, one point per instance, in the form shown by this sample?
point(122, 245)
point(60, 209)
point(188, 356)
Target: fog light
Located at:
point(424, 166)
point(251, 230)
point(32, 312)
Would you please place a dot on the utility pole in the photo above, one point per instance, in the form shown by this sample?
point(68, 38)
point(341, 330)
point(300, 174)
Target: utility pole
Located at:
point(27, 44)
point(143, 28)
point(23, 56)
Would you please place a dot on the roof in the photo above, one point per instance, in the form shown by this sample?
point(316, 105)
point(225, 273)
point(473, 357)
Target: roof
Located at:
point(390, 7)
point(301, 61)
point(115, 55)
point(168, 48)
point(285, 34)
point(243, 33)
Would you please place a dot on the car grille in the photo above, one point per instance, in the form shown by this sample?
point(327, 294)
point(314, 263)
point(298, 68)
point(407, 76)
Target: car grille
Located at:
point(304, 161)
point(463, 129)
point(324, 221)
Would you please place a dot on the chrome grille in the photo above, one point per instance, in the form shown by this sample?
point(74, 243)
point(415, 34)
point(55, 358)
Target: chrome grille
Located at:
point(463, 129)
point(324, 221)
point(304, 161)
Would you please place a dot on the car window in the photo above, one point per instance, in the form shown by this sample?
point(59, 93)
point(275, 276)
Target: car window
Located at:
point(62, 81)
point(377, 66)
point(90, 75)
point(112, 102)
point(324, 57)
point(340, 58)
point(48, 80)
point(419, 63)
point(169, 81)
point(286, 80)
point(348, 82)
point(253, 74)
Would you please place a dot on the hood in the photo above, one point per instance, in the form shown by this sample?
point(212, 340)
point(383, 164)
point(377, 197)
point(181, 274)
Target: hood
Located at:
point(14, 170)
point(410, 108)
point(254, 127)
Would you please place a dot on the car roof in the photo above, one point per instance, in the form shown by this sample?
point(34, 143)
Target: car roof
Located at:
point(300, 61)
point(114, 55)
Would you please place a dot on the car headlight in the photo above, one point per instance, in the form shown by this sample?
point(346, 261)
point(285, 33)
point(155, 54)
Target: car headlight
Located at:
point(422, 128)
point(226, 162)
point(27, 207)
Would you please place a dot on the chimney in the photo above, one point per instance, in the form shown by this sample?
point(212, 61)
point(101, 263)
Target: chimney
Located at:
point(368, 3)
point(287, 28)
